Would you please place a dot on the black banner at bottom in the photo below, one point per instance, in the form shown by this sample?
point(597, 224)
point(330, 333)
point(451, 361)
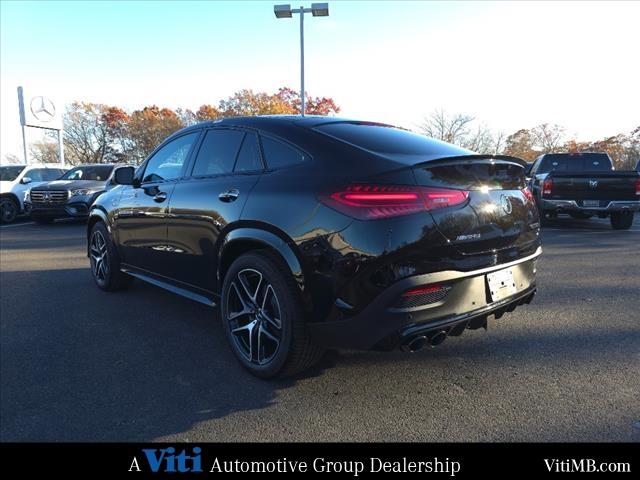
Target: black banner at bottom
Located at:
point(455, 460)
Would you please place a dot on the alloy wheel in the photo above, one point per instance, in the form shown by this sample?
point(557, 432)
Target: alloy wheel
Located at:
point(254, 317)
point(99, 256)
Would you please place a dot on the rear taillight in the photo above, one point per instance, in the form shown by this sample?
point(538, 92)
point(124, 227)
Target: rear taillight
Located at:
point(442, 197)
point(547, 187)
point(371, 202)
point(527, 194)
point(638, 186)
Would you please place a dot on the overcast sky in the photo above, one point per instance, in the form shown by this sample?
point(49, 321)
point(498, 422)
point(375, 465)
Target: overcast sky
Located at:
point(511, 65)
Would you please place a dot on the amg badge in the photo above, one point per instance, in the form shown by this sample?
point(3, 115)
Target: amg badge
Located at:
point(472, 236)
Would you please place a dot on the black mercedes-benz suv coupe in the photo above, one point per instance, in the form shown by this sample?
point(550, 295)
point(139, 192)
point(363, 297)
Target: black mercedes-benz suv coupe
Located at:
point(316, 232)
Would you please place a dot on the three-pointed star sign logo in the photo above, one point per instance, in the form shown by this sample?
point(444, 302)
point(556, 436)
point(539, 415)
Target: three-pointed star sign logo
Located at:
point(43, 109)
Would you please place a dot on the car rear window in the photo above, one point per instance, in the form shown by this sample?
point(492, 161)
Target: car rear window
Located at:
point(388, 140)
point(590, 162)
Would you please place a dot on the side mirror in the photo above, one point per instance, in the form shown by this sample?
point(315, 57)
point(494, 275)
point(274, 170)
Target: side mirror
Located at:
point(124, 176)
point(25, 180)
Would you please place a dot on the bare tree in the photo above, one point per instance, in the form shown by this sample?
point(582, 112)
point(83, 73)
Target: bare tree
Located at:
point(448, 128)
point(43, 151)
point(461, 130)
point(548, 137)
point(479, 140)
point(85, 133)
point(499, 142)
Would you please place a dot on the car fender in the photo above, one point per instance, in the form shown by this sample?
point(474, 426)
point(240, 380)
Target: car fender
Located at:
point(268, 239)
point(95, 215)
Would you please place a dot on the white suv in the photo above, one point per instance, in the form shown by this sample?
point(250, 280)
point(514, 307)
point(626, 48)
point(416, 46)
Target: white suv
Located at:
point(15, 180)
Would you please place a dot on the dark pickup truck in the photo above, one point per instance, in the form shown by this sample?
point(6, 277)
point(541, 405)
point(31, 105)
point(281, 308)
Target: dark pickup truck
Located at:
point(584, 185)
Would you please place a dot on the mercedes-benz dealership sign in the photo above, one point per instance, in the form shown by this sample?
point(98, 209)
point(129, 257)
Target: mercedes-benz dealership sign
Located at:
point(37, 110)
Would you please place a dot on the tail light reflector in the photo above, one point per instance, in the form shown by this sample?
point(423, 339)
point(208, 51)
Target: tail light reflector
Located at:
point(527, 194)
point(370, 202)
point(547, 187)
point(422, 290)
point(638, 186)
point(421, 296)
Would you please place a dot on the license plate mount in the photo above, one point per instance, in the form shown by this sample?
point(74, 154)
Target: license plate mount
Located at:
point(591, 203)
point(501, 284)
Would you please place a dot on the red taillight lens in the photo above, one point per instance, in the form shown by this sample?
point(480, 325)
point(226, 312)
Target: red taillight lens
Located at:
point(547, 186)
point(370, 202)
point(423, 290)
point(527, 194)
point(638, 186)
point(443, 197)
point(422, 296)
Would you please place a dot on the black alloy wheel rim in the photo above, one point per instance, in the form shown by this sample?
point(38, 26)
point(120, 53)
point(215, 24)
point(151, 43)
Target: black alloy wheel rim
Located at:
point(99, 256)
point(254, 317)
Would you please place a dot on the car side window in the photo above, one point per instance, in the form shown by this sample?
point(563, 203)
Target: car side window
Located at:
point(167, 163)
point(249, 156)
point(278, 154)
point(218, 152)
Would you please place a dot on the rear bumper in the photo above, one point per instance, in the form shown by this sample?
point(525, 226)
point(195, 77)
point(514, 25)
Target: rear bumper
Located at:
point(467, 304)
point(574, 206)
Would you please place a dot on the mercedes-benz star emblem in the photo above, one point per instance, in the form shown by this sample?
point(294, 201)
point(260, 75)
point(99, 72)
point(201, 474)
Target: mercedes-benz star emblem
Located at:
point(505, 203)
point(593, 183)
point(43, 109)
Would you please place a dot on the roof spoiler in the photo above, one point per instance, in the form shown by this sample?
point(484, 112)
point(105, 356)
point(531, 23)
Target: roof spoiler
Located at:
point(472, 158)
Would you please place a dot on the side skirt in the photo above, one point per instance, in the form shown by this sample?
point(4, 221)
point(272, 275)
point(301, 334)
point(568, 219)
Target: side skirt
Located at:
point(183, 292)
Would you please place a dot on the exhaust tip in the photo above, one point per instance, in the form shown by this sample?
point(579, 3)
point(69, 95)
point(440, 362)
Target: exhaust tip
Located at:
point(415, 344)
point(437, 338)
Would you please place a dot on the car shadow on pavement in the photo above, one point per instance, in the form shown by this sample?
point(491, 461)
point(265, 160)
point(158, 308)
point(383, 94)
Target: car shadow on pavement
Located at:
point(85, 365)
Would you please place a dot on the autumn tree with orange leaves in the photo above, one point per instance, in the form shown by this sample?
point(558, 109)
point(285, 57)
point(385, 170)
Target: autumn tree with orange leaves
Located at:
point(96, 133)
point(148, 127)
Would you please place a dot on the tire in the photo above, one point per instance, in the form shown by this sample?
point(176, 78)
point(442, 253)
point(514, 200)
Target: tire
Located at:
point(271, 304)
point(9, 209)
point(580, 215)
point(42, 220)
point(621, 220)
point(104, 260)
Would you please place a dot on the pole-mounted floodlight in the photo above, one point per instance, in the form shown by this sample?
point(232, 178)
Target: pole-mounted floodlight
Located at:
point(282, 11)
point(285, 11)
point(320, 9)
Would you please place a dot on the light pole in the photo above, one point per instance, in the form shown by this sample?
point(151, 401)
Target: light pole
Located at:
point(285, 11)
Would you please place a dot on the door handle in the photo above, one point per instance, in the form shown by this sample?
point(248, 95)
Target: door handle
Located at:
point(160, 197)
point(230, 195)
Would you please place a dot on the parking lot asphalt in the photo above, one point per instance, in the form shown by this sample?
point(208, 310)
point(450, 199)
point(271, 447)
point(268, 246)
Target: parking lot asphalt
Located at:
point(78, 364)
